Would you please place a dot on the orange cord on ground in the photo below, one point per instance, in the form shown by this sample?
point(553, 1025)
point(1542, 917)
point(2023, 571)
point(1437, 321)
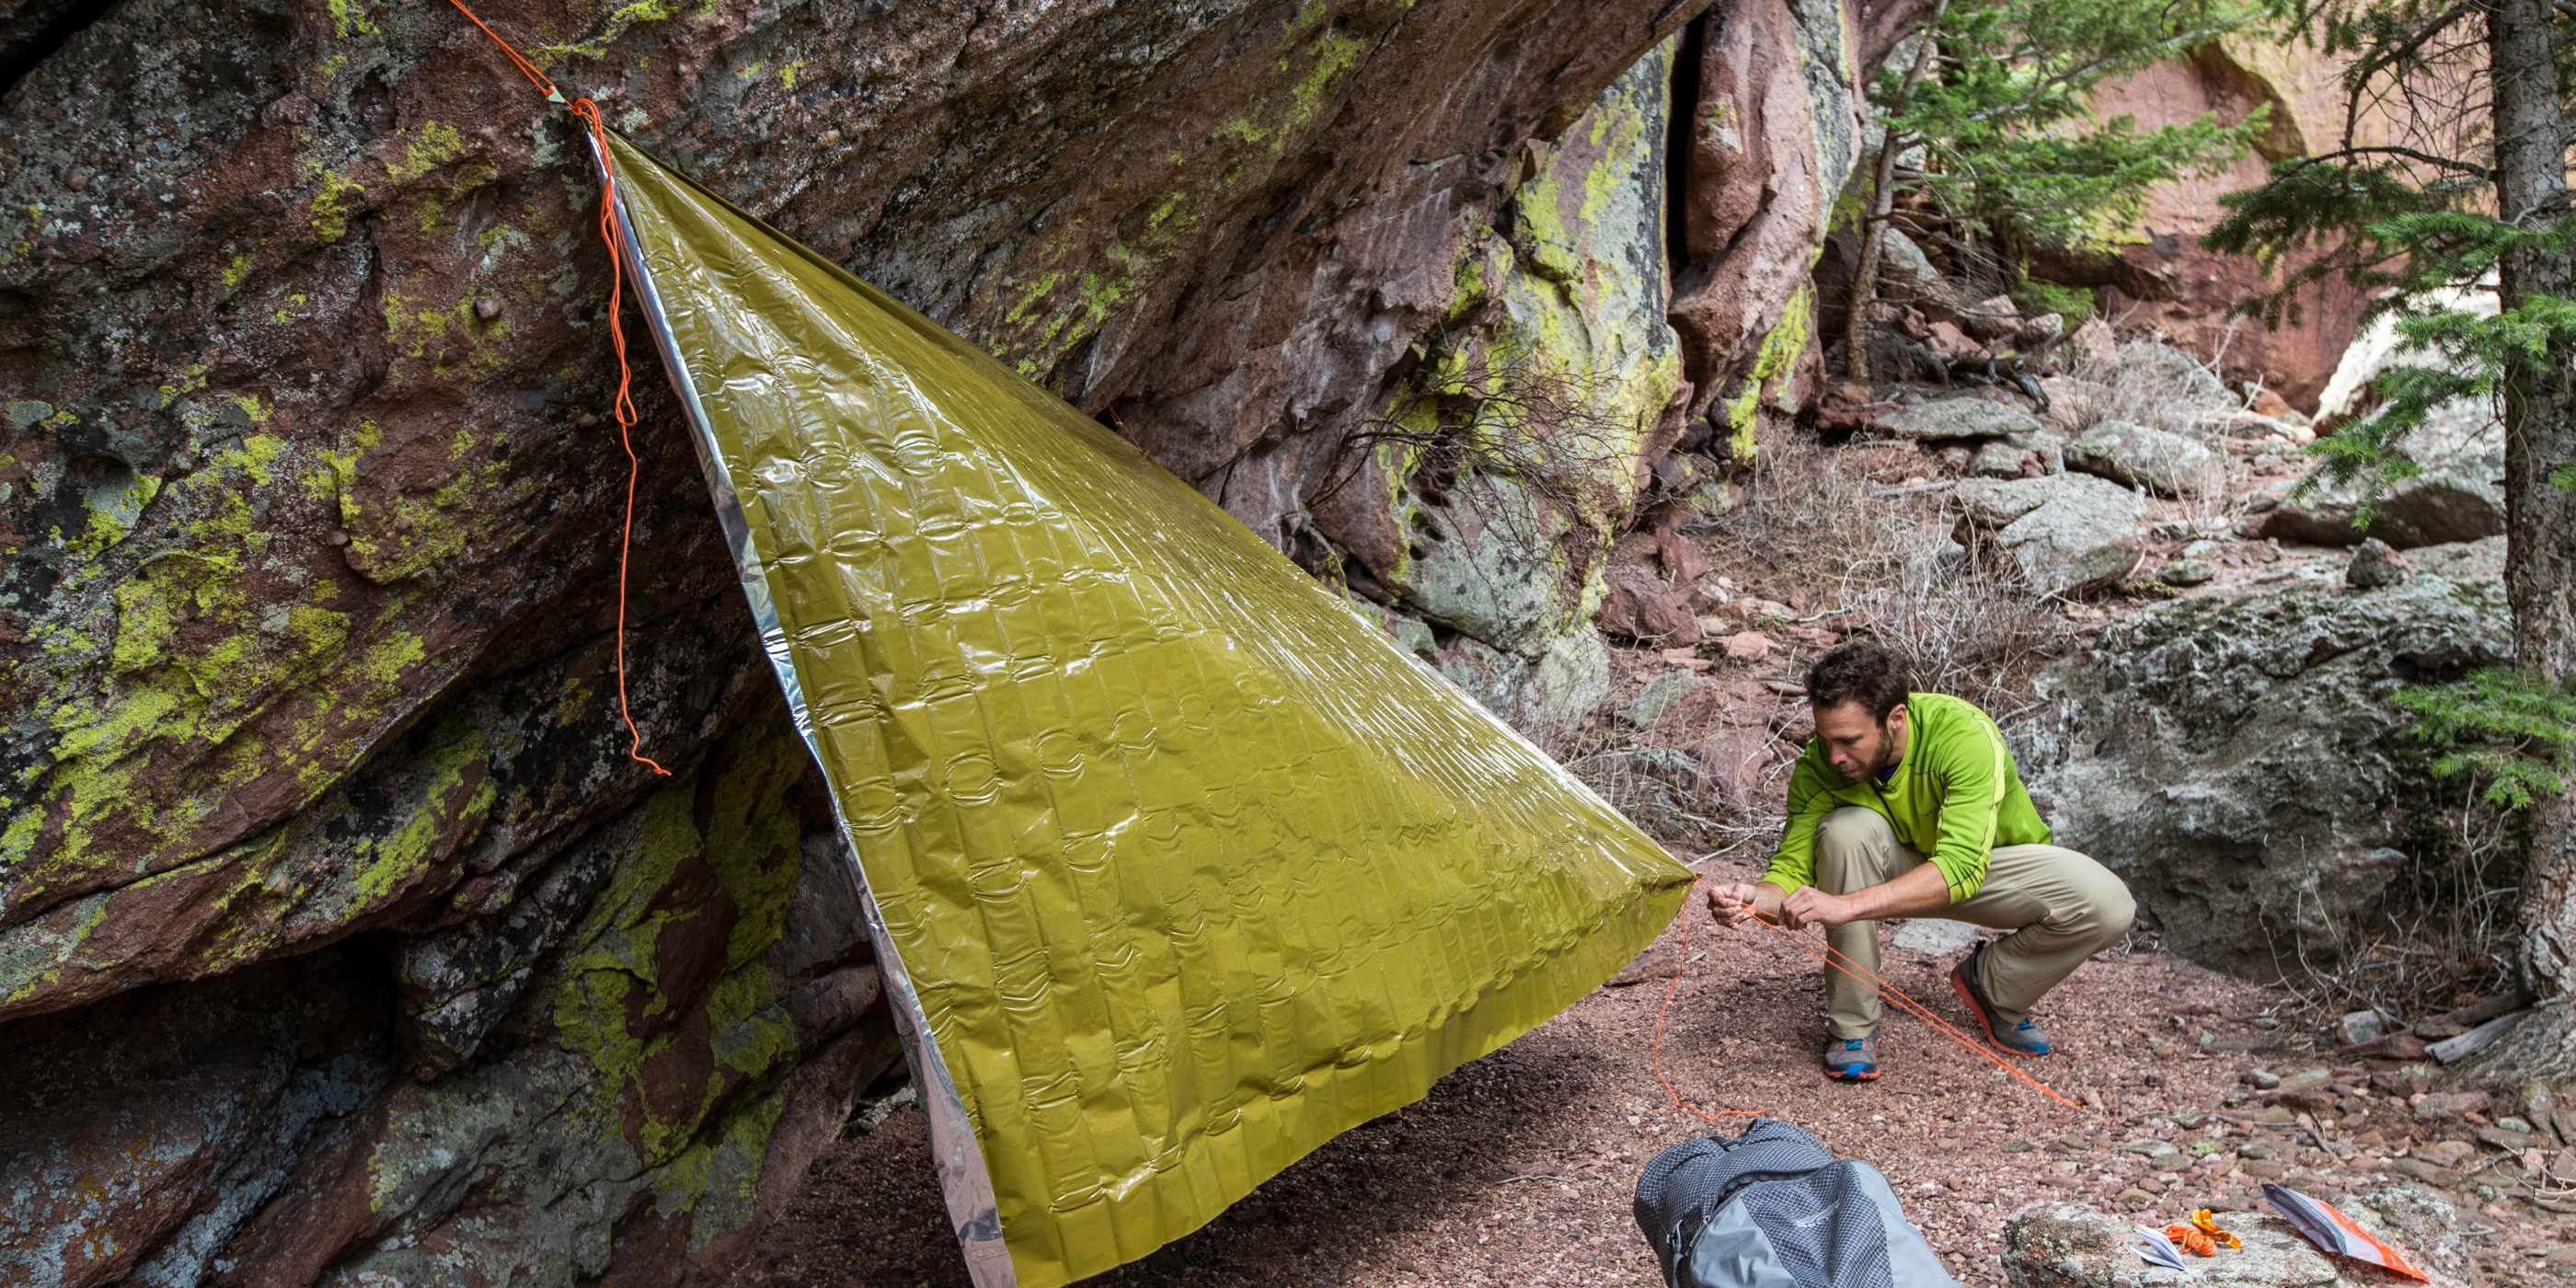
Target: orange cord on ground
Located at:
point(1825, 953)
point(1655, 1054)
point(624, 406)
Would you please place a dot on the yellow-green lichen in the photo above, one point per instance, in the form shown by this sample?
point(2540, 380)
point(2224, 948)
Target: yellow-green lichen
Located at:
point(111, 516)
point(394, 861)
point(438, 335)
point(1037, 292)
point(329, 218)
point(192, 378)
point(610, 1008)
point(419, 532)
point(716, 1182)
point(350, 18)
point(619, 21)
point(33, 226)
point(1485, 264)
point(35, 956)
point(1778, 355)
point(186, 660)
point(1334, 52)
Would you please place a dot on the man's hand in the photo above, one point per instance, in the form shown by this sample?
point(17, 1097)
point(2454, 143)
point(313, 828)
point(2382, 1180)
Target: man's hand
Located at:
point(1813, 907)
point(1736, 904)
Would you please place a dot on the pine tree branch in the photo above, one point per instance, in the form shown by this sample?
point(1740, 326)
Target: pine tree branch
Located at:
point(2389, 57)
point(2453, 164)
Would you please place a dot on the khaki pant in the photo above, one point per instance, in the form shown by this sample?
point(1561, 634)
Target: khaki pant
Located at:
point(2060, 906)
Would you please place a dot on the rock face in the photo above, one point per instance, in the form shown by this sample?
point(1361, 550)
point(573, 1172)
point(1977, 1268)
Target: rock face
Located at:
point(311, 689)
point(611, 1078)
point(1774, 134)
point(2071, 1245)
point(2239, 764)
point(2160, 275)
point(1555, 340)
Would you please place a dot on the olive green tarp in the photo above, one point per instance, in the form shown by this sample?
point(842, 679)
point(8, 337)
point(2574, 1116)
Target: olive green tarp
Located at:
point(1177, 866)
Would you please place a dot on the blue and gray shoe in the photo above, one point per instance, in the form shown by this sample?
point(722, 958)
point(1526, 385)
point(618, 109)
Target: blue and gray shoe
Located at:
point(2024, 1038)
point(1852, 1059)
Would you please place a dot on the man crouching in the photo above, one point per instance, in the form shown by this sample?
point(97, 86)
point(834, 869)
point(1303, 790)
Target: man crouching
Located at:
point(1891, 777)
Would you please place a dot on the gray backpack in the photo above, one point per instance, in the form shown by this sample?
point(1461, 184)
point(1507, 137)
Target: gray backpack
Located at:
point(1773, 1208)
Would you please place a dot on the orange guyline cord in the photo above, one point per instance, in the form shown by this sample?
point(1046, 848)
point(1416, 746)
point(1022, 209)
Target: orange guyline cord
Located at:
point(588, 112)
point(624, 405)
point(1825, 953)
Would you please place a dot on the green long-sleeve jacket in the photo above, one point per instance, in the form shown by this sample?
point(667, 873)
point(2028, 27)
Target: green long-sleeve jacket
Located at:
point(1955, 797)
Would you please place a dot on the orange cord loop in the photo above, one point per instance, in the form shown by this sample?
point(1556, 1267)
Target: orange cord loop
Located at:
point(624, 406)
point(526, 68)
point(1825, 953)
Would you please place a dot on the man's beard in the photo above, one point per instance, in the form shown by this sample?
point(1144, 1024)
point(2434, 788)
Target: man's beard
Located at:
point(1887, 753)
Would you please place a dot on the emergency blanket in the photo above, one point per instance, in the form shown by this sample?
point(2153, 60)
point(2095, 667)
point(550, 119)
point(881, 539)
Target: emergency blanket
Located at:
point(1176, 866)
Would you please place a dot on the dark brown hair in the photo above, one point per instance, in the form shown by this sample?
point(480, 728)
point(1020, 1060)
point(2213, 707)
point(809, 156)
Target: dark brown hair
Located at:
point(1869, 674)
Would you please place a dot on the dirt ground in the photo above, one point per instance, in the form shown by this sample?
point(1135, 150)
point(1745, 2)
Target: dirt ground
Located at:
point(1519, 1168)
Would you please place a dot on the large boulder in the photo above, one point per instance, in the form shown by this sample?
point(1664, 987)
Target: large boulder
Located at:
point(1555, 344)
point(2060, 533)
point(2457, 493)
point(614, 1076)
point(2238, 761)
point(2072, 1245)
point(1964, 417)
point(313, 743)
point(2179, 379)
point(2020, 456)
point(2161, 461)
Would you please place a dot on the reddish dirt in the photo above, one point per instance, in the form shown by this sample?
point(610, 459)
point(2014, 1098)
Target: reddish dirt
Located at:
point(1518, 1168)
